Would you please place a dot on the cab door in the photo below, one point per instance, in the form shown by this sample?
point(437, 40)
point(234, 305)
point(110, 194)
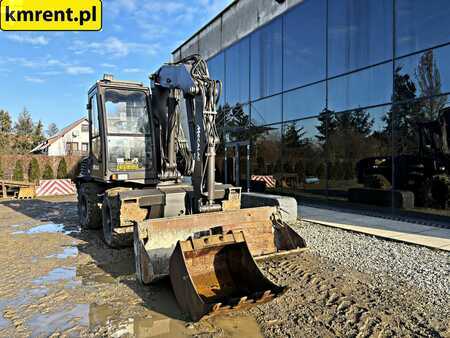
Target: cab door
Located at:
point(95, 140)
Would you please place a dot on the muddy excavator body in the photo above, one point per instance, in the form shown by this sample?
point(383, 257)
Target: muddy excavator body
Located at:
point(134, 186)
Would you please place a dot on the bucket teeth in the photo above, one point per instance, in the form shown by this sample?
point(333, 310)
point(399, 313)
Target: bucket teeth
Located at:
point(222, 275)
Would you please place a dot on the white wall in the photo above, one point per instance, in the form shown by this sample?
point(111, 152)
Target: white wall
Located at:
point(58, 148)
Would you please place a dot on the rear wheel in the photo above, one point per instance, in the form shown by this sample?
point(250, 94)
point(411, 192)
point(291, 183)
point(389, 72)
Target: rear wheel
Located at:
point(89, 213)
point(111, 221)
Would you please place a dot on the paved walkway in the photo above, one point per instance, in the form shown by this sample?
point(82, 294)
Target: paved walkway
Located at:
point(402, 231)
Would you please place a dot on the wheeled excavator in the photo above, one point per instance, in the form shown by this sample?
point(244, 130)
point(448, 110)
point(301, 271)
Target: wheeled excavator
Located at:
point(146, 184)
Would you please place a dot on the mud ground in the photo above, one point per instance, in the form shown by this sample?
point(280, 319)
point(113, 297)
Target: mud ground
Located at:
point(59, 281)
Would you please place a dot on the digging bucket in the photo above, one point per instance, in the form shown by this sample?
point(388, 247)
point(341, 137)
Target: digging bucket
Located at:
point(216, 274)
point(155, 240)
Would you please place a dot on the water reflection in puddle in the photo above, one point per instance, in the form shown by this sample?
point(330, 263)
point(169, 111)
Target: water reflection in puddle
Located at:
point(57, 275)
point(61, 320)
point(243, 326)
point(49, 228)
point(23, 298)
point(68, 252)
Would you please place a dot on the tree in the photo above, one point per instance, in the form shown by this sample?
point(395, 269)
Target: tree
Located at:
point(34, 172)
point(38, 133)
point(52, 130)
point(5, 122)
point(429, 81)
point(401, 117)
point(48, 172)
point(18, 171)
point(327, 124)
point(5, 131)
point(22, 141)
point(292, 137)
point(24, 124)
point(62, 169)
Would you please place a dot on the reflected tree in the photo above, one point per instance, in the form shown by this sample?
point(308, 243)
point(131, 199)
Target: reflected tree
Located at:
point(429, 81)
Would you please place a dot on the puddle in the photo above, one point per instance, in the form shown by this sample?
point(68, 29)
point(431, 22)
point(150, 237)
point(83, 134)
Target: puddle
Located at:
point(99, 314)
point(57, 275)
point(107, 273)
point(158, 326)
point(64, 319)
point(91, 274)
point(68, 252)
point(49, 228)
point(25, 297)
point(4, 323)
point(245, 326)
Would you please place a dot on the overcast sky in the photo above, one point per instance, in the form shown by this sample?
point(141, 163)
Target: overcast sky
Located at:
point(50, 73)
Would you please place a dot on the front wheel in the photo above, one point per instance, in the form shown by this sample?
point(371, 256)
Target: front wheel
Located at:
point(89, 213)
point(111, 221)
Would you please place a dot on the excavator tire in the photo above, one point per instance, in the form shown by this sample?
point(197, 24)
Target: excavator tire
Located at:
point(111, 221)
point(89, 212)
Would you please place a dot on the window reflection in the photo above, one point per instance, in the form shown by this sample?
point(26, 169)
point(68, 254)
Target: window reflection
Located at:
point(304, 161)
point(267, 111)
point(353, 137)
point(266, 60)
point(421, 148)
point(304, 102)
point(421, 24)
point(369, 87)
point(216, 67)
point(360, 34)
point(421, 75)
point(266, 151)
point(305, 44)
point(237, 73)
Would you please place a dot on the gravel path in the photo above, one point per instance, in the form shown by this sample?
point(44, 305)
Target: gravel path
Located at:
point(427, 269)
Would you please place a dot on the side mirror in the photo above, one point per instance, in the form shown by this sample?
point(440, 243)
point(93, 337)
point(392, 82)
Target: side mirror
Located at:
point(89, 106)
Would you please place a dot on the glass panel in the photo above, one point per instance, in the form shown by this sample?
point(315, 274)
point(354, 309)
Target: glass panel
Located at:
point(424, 74)
point(360, 34)
point(421, 24)
point(304, 102)
point(422, 153)
point(266, 60)
point(235, 123)
point(216, 67)
point(266, 157)
point(238, 73)
point(359, 152)
point(372, 86)
point(126, 112)
point(304, 160)
point(305, 44)
point(128, 153)
point(94, 116)
point(267, 111)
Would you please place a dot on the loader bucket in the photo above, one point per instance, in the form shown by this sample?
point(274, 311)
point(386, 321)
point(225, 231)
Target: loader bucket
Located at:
point(155, 240)
point(216, 274)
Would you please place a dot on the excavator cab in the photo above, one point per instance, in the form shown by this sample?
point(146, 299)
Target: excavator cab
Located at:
point(122, 147)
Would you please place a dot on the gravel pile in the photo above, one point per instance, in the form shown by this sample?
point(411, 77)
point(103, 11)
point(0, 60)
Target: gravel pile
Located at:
point(427, 269)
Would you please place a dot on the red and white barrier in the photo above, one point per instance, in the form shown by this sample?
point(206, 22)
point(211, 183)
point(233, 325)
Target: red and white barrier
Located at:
point(270, 181)
point(56, 188)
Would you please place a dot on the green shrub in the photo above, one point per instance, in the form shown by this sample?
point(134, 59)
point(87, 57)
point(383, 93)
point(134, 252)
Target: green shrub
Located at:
point(18, 171)
point(62, 169)
point(1, 171)
point(48, 172)
point(34, 172)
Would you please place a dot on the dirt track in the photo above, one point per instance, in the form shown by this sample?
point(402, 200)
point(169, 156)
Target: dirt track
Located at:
point(59, 281)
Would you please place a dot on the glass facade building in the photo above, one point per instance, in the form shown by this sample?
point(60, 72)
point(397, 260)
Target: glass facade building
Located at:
point(330, 83)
